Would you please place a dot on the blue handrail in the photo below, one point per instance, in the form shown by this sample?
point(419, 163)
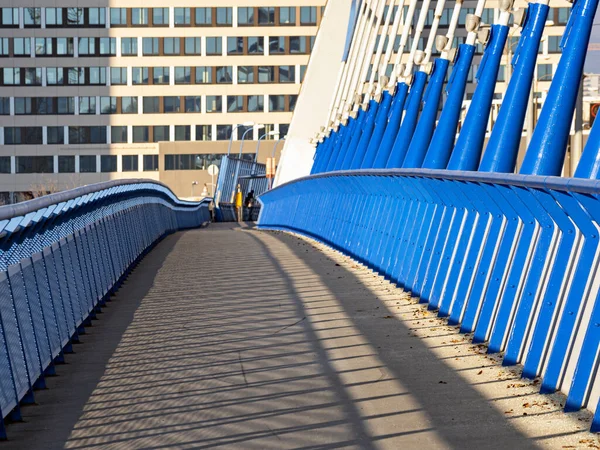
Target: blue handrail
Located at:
point(61, 257)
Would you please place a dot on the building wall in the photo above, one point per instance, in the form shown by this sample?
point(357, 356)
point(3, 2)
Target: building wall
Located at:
point(18, 110)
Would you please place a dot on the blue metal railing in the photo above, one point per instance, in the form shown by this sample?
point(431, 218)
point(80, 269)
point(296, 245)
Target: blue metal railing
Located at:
point(511, 258)
point(61, 257)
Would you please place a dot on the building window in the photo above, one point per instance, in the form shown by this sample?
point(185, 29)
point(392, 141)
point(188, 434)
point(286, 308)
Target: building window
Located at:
point(22, 47)
point(108, 46)
point(4, 106)
point(245, 16)
point(171, 46)
point(130, 163)
point(276, 45)
point(224, 16)
point(150, 105)
point(276, 103)
point(4, 164)
point(214, 46)
point(554, 44)
point(182, 132)
point(298, 45)
point(293, 100)
point(225, 75)
point(204, 132)
point(118, 17)
point(224, 132)
point(75, 17)
point(150, 46)
point(87, 135)
point(283, 129)
point(87, 105)
point(85, 46)
point(160, 133)
point(266, 15)
point(87, 163)
point(35, 164)
point(32, 17)
point(4, 49)
point(256, 103)
point(235, 45)
point(66, 164)
point(204, 75)
point(129, 46)
point(245, 74)
point(118, 76)
point(97, 75)
point(544, 72)
point(141, 134)
point(108, 105)
point(502, 73)
point(192, 104)
point(235, 103)
point(303, 71)
point(54, 17)
point(287, 15)
point(160, 75)
point(160, 16)
point(108, 163)
point(256, 45)
point(214, 104)
point(139, 16)
point(171, 104)
point(266, 74)
point(203, 16)
point(65, 46)
point(54, 76)
point(150, 163)
point(183, 17)
point(183, 75)
point(56, 135)
point(287, 74)
point(10, 17)
point(308, 15)
point(97, 16)
point(129, 105)
point(192, 46)
point(118, 135)
point(139, 75)
point(562, 16)
point(23, 135)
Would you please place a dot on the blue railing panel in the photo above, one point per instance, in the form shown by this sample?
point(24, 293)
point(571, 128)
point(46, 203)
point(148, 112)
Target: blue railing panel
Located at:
point(60, 257)
point(512, 258)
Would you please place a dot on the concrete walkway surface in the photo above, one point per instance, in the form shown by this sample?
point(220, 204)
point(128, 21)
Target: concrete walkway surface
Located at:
point(228, 337)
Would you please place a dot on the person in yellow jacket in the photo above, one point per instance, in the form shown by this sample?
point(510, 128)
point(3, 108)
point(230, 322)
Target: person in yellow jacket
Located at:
point(239, 204)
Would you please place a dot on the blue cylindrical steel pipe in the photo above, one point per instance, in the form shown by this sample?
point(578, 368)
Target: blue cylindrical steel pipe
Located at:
point(467, 152)
point(380, 126)
point(442, 142)
point(393, 125)
point(431, 101)
point(503, 147)
point(409, 122)
point(546, 152)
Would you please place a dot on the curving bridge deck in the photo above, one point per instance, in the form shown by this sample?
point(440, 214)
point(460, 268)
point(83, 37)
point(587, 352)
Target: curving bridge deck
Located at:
point(235, 338)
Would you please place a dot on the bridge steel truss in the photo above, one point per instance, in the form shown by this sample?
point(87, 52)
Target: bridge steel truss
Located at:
point(61, 257)
point(512, 258)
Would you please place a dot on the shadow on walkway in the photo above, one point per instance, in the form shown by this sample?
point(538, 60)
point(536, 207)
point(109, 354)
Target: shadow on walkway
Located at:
point(231, 338)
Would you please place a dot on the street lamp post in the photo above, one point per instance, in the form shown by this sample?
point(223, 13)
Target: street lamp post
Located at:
point(258, 127)
point(270, 133)
point(245, 124)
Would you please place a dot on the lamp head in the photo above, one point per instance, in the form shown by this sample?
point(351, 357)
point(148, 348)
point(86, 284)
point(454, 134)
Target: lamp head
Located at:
point(260, 127)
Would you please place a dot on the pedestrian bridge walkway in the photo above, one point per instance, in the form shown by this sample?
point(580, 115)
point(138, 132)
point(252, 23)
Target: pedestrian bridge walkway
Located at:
point(231, 337)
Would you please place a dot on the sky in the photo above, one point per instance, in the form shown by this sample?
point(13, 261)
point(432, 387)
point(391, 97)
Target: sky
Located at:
point(592, 62)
